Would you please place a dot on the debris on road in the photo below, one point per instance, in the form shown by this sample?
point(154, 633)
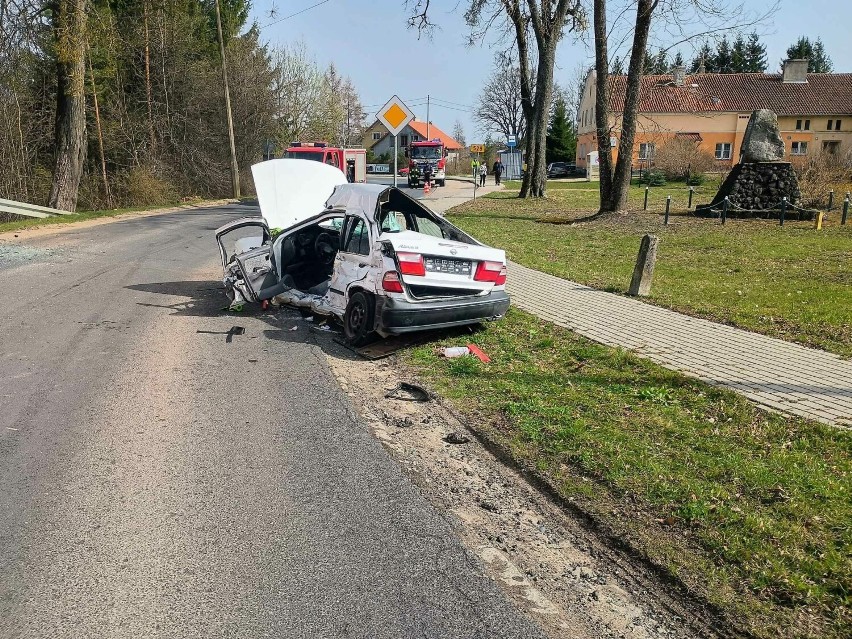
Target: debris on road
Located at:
point(408, 392)
point(475, 350)
point(455, 351)
point(456, 438)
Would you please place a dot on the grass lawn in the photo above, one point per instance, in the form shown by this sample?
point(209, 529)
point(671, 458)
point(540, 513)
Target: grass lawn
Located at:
point(751, 510)
point(17, 225)
point(791, 282)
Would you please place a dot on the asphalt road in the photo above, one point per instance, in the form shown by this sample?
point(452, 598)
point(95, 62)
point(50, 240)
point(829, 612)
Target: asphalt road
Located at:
point(164, 477)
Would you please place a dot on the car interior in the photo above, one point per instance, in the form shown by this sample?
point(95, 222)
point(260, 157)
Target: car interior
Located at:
point(307, 257)
point(401, 213)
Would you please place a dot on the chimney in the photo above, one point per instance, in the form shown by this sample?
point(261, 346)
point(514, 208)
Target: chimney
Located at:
point(678, 76)
point(795, 71)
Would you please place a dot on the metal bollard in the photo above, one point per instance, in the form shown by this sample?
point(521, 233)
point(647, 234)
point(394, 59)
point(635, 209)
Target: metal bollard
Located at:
point(691, 191)
point(668, 206)
point(830, 199)
point(645, 206)
point(783, 209)
point(725, 206)
point(845, 210)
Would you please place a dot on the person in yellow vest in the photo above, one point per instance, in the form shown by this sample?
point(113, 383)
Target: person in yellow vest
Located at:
point(474, 167)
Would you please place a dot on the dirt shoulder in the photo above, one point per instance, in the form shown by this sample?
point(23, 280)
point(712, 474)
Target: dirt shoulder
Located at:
point(550, 562)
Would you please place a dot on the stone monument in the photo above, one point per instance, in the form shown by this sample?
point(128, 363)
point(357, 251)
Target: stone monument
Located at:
point(757, 184)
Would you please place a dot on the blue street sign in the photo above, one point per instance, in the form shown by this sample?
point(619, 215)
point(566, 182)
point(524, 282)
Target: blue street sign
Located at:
point(512, 141)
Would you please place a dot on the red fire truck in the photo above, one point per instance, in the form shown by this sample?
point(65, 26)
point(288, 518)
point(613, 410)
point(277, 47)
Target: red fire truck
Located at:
point(353, 162)
point(426, 158)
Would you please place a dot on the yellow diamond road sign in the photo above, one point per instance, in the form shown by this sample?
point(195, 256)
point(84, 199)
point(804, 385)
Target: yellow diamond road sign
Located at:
point(395, 115)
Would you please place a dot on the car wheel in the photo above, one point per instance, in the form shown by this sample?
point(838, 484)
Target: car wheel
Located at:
point(442, 182)
point(359, 319)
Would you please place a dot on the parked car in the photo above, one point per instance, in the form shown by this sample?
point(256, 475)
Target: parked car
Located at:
point(368, 254)
point(563, 169)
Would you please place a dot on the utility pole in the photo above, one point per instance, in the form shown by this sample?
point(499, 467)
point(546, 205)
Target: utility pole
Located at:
point(235, 170)
point(427, 117)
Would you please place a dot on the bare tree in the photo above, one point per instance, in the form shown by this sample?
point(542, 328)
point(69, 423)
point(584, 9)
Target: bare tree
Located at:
point(543, 22)
point(677, 22)
point(500, 105)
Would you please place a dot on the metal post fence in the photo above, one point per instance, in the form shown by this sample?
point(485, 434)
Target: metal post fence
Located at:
point(691, 191)
point(831, 199)
point(668, 206)
point(783, 210)
point(725, 206)
point(645, 206)
point(845, 210)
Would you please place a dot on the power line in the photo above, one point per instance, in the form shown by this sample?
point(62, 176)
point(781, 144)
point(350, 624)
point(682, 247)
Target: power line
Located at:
point(293, 15)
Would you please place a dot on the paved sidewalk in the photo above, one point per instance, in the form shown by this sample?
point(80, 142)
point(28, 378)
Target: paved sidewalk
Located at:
point(774, 373)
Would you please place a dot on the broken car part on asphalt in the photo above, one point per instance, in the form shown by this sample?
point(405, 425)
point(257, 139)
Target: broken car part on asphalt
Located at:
point(367, 254)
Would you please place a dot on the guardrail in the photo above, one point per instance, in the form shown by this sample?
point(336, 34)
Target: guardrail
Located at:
point(29, 210)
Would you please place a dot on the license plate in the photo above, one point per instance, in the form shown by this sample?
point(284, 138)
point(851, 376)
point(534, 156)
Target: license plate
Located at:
point(440, 265)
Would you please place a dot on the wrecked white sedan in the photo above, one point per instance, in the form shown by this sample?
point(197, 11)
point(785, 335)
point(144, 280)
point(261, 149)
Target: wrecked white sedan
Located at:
point(368, 254)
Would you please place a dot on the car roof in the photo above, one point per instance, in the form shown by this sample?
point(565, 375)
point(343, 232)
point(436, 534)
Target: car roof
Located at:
point(363, 197)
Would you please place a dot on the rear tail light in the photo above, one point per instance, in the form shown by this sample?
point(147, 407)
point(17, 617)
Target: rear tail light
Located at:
point(391, 282)
point(411, 264)
point(491, 272)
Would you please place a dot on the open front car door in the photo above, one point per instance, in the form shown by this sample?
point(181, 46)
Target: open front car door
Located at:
point(244, 246)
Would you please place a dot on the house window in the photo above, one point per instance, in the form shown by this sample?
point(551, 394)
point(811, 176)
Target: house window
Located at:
point(723, 151)
point(830, 124)
point(798, 125)
point(646, 151)
point(403, 140)
point(837, 125)
point(807, 125)
point(377, 135)
point(799, 148)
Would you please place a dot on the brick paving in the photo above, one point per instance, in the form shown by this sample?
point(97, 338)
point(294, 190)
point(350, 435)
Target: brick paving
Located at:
point(773, 373)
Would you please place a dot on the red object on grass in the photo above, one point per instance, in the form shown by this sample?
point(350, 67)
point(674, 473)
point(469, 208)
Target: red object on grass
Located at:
point(475, 350)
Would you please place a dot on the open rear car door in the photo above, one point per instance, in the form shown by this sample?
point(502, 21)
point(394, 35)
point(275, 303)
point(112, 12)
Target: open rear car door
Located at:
point(244, 246)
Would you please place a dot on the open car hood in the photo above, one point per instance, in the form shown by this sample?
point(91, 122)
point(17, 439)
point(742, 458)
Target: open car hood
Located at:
point(292, 191)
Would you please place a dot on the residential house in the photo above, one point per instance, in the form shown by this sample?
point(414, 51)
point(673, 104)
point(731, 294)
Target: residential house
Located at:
point(379, 141)
point(814, 111)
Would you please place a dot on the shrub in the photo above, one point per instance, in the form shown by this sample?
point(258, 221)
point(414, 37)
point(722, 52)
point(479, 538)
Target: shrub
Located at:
point(696, 179)
point(654, 178)
point(821, 174)
point(679, 158)
point(141, 186)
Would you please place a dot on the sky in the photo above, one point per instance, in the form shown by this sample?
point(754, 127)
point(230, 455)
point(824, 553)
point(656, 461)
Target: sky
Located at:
point(369, 41)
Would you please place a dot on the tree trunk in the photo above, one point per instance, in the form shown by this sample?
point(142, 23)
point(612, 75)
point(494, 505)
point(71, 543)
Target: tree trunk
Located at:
point(516, 15)
point(148, 92)
point(100, 134)
point(69, 32)
point(543, 100)
point(617, 200)
point(602, 111)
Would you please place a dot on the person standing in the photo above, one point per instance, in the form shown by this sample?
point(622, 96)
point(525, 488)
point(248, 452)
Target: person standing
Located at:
point(483, 171)
point(474, 167)
point(498, 171)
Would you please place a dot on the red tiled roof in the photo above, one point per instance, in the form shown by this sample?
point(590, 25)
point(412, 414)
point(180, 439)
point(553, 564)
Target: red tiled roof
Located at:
point(434, 132)
point(822, 94)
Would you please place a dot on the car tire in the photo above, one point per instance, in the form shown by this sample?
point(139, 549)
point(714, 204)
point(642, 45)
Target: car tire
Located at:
point(442, 182)
point(359, 319)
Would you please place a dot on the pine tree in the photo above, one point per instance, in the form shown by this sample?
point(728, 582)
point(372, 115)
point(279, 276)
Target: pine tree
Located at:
point(648, 64)
point(756, 61)
point(723, 60)
point(818, 60)
point(617, 67)
point(820, 63)
point(561, 144)
point(661, 62)
point(678, 60)
point(704, 58)
point(739, 61)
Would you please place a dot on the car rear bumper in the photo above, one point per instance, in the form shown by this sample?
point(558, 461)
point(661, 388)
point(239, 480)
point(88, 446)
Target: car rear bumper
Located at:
point(397, 316)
